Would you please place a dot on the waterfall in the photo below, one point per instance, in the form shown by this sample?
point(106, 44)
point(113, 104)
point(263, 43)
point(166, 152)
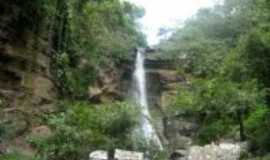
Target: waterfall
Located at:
point(148, 130)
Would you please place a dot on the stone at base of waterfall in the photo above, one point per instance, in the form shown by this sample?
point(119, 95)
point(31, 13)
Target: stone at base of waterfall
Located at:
point(99, 155)
point(215, 152)
point(179, 155)
point(127, 155)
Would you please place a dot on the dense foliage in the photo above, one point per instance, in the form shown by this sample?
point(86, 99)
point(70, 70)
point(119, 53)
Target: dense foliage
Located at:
point(226, 50)
point(86, 36)
point(81, 38)
point(83, 128)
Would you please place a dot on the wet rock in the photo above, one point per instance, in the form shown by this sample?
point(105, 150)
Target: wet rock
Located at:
point(223, 151)
point(127, 155)
point(99, 155)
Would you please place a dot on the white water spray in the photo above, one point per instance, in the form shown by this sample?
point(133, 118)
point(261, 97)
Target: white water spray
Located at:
point(141, 97)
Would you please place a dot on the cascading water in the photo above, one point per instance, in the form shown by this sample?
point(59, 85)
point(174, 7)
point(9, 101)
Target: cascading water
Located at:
point(141, 97)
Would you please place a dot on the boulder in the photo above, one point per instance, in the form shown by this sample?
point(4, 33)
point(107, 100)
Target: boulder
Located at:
point(127, 155)
point(94, 92)
point(179, 155)
point(99, 155)
point(43, 87)
point(223, 151)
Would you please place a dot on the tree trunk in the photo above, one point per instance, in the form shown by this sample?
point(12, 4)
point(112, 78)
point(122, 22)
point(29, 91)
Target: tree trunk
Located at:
point(241, 125)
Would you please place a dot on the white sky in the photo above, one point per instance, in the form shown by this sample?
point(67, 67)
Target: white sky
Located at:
point(167, 14)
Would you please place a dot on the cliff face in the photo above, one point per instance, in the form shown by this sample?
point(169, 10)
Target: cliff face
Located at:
point(113, 83)
point(163, 81)
point(27, 90)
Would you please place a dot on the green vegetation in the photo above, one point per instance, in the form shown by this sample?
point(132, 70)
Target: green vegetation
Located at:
point(80, 36)
point(89, 35)
point(83, 128)
point(16, 156)
point(226, 50)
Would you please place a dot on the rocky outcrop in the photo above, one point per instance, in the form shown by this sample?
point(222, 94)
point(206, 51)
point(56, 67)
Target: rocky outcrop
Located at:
point(112, 84)
point(163, 83)
point(27, 89)
point(223, 151)
point(215, 152)
point(127, 155)
point(25, 79)
point(99, 155)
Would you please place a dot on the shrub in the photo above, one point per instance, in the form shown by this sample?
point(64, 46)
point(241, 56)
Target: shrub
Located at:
point(257, 129)
point(16, 156)
point(84, 128)
point(214, 131)
point(151, 150)
point(219, 106)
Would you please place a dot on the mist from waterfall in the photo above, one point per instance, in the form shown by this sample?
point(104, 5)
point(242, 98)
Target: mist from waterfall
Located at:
point(141, 98)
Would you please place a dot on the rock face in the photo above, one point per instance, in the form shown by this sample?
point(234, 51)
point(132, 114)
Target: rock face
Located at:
point(127, 155)
point(99, 155)
point(27, 89)
point(25, 83)
point(223, 151)
point(112, 83)
point(164, 80)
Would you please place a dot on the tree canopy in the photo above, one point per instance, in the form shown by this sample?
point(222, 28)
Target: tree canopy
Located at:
point(226, 50)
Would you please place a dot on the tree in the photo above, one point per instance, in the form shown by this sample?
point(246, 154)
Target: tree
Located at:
point(226, 51)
